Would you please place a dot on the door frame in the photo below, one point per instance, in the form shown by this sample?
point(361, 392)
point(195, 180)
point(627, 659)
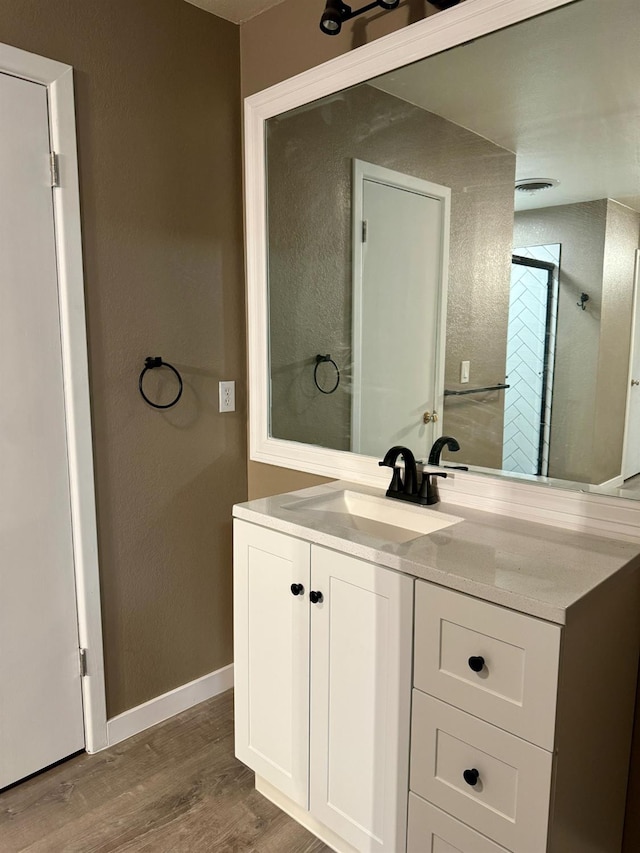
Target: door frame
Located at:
point(363, 171)
point(58, 79)
point(542, 467)
point(624, 474)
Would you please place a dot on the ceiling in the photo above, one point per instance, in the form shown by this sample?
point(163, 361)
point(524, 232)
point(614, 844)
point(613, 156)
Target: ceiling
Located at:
point(562, 91)
point(237, 11)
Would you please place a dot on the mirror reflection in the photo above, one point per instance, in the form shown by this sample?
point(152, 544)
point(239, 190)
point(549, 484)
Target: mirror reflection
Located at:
point(453, 249)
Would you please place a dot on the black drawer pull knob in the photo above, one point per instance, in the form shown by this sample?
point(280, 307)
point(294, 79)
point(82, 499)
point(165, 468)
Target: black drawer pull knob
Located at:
point(476, 663)
point(471, 777)
point(297, 588)
point(315, 597)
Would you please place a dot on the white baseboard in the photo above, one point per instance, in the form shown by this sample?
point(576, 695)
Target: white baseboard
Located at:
point(174, 702)
point(613, 483)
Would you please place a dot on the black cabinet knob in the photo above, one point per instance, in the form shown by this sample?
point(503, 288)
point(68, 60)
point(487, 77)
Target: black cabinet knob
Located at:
point(315, 597)
point(471, 777)
point(297, 588)
point(476, 663)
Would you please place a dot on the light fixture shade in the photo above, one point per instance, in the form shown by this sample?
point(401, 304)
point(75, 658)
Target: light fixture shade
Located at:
point(335, 12)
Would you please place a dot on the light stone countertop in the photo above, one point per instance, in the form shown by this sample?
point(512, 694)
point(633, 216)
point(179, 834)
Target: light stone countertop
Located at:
point(530, 567)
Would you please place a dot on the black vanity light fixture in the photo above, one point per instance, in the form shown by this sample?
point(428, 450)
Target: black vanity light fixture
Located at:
point(336, 12)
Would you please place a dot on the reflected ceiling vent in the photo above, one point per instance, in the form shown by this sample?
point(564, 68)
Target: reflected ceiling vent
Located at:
point(535, 185)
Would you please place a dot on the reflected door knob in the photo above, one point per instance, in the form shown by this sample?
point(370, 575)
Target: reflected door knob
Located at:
point(430, 417)
point(316, 597)
point(635, 381)
point(476, 663)
point(297, 588)
point(471, 777)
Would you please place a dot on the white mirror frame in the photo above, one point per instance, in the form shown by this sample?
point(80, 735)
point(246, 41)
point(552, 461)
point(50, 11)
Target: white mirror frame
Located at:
point(607, 515)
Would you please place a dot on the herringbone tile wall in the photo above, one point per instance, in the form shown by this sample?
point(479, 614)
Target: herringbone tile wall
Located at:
point(525, 408)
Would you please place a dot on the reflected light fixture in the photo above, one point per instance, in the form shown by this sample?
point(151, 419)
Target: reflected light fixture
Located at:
point(336, 12)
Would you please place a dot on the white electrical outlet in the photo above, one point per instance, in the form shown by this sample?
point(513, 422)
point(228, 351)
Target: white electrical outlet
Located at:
point(227, 396)
point(464, 372)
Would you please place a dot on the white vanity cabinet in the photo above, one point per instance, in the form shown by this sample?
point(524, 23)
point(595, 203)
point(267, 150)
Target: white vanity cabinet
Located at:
point(323, 689)
point(389, 712)
point(521, 728)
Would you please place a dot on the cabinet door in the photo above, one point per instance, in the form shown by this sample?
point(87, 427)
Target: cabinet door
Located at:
point(271, 652)
point(360, 700)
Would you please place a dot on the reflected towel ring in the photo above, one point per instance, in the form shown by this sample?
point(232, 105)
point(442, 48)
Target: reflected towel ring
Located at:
point(320, 359)
point(150, 363)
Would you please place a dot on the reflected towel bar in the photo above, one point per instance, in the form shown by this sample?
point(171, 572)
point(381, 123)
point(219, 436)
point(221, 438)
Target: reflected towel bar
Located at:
point(500, 387)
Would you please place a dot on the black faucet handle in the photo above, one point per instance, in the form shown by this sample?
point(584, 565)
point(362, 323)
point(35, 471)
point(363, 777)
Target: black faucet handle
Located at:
point(396, 480)
point(428, 488)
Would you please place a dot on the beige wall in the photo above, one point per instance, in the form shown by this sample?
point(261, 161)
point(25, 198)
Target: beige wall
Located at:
point(286, 39)
point(622, 239)
point(310, 159)
point(157, 102)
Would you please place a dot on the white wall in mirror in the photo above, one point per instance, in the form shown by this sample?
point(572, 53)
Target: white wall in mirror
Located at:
point(470, 20)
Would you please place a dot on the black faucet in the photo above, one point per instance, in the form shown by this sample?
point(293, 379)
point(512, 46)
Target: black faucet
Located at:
point(403, 489)
point(407, 489)
point(438, 445)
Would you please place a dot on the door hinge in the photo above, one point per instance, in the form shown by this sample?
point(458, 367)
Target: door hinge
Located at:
point(83, 662)
point(364, 230)
point(54, 163)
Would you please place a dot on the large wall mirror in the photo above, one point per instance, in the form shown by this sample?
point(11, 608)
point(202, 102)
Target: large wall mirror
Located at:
point(452, 247)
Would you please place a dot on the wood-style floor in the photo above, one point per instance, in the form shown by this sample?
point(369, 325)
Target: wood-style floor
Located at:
point(176, 788)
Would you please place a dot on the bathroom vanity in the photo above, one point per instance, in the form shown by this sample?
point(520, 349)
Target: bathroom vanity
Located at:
point(413, 679)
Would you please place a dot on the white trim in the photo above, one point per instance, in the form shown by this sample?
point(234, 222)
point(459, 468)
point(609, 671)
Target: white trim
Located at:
point(635, 332)
point(559, 506)
point(58, 78)
point(389, 177)
point(613, 483)
point(169, 704)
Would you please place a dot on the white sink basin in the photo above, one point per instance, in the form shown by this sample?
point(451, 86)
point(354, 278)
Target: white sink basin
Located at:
point(384, 518)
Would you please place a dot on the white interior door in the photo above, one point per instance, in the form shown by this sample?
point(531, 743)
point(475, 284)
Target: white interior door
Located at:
point(631, 451)
point(41, 719)
point(399, 305)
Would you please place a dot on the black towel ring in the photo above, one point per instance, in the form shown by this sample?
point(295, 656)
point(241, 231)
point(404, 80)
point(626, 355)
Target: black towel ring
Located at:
point(320, 359)
point(150, 363)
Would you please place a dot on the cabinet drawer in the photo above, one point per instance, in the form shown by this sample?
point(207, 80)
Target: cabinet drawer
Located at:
point(432, 831)
point(517, 656)
point(509, 802)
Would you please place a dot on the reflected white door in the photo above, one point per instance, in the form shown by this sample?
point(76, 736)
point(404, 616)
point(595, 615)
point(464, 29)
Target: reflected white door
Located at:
point(399, 303)
point(41, 719)
point(631, 453)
